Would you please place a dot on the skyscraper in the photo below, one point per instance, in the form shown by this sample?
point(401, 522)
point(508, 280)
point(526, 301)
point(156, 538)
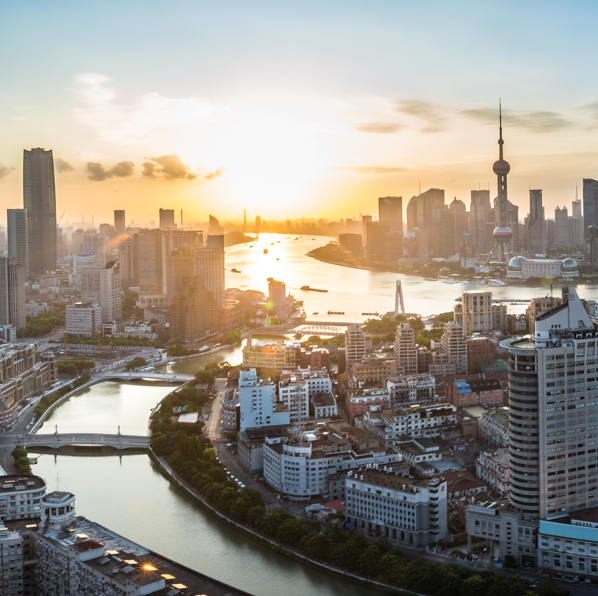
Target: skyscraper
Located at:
point(561, 227)
point(536, 224)
point(180, 266)
point(12, 293)
point(478, 218)
point(39, 195)
point(590, 204)
point(17, 237)
point(167, 219)
point(193, 312)
point(209, 267)
point(390, 211)
point(120, 224)
point(277, 297)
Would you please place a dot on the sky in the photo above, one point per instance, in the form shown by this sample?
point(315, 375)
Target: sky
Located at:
point(294, 109)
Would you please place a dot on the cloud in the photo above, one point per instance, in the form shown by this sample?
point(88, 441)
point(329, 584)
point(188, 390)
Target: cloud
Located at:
point(539, 121)
point(434, 115)
point(378, 127)
point(63, 166)
point(215, 173)
point(96, 171)
point(5, 171)
point(370, 169)
point(167, 167)
point(133, 123)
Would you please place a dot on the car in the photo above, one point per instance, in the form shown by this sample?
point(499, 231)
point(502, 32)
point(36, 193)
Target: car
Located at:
point(27, 427)
point(535, 584)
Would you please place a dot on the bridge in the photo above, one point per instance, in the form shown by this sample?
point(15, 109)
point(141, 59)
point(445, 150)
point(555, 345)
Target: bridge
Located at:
point(58, 440)
point(319, 330)
point(123, 375)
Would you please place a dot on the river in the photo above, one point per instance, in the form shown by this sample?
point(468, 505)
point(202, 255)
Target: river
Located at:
point(130, 496)
point(352, 291)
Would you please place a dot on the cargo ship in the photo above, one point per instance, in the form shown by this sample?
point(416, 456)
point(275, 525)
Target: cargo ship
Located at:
point(309, 288)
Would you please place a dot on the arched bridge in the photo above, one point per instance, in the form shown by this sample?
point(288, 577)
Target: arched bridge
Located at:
point(124, 375)
point(58, 440)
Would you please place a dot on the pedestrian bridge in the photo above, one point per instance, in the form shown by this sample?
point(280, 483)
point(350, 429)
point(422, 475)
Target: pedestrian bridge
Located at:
point(58, 440)
point(124, 375)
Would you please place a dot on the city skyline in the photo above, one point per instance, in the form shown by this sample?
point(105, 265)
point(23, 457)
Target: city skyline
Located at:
point(352, 116)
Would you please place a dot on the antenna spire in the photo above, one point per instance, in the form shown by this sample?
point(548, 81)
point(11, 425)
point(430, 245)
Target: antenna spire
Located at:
point(500, 141)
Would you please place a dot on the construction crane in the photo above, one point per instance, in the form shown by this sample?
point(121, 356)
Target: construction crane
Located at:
point(60, 219)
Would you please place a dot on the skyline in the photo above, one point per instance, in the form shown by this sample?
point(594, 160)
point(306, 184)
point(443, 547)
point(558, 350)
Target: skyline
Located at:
point(350, 107)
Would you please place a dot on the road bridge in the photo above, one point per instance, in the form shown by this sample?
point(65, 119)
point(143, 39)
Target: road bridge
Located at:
point(58, 440)
point(319, 330)
point(123, 375)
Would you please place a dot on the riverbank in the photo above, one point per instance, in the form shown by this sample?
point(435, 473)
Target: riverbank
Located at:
point(173, 477)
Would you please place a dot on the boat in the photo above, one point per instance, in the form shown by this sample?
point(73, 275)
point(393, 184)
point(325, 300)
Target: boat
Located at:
point(309, 288)
point(430, 279)
point(235, 270)
point(496, 282)
point(171, 363)
point(313, 238)
point(265, 251)
point(277, 259)
point(278, 242)
point(335, 312)
point(450, 280)
point(369, 314)
point(316, 313)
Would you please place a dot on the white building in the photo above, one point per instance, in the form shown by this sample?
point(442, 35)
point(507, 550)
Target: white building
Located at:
point(494, 468)
point(569, 544)
point(294, 394)
point(408, 510)
point(258, 404)
point(84, 318)
point(318, 379)
point(474, 313)
point(522, 268)
point(413, 422)
point(315, 463)
point(323, 405)
point(11, 554)
point(21, 497)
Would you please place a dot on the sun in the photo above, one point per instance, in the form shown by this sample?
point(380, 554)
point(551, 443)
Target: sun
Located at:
point(270, 161)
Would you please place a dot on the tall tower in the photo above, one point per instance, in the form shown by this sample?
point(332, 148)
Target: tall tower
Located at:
point(244, 222)
point(39, 197)
point(18, 237)
point(502, 233)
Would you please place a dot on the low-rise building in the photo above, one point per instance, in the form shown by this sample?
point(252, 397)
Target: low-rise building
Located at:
point(462, 483)
point(494, 468)
point(495, 427)
point(401, 508)
point(360, 401)
point(21, 497)
point(409, 422)
point(418, 451)
point(487, 393)
point(480, 349)
point(568, 544)
point(316, 462)
point(415, 389)
point(258, 404)
point(323, 405)
point(317, 379)
point(271, 356)
point(375, 370)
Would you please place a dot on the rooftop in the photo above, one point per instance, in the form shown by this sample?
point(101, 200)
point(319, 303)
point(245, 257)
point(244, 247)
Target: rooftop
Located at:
point(18, 482)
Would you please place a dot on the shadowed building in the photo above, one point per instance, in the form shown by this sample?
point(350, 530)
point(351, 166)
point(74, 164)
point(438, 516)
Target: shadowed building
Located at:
point(39, 194)
point(18, 247)
point(390, 211)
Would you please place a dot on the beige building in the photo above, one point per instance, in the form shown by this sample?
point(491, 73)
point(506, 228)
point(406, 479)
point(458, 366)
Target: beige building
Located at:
point(102, 286)
point(354, 344)
point(271, 356)
point(375, 370)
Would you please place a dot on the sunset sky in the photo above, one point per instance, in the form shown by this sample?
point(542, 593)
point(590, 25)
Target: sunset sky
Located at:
point(292, 109)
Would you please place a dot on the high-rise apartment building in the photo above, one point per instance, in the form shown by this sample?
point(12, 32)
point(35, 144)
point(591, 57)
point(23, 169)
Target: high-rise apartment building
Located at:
point(474, 313)
point(126, 264)
point(376, 232)
point(12, 293)
point(84, 318)
point(120, 225)
point(277, 299)
point(147, 255)
point(390, 211)
point(576, 235)
point(167, 219)
point(458, 208)
point(102, 286)
point(39, 194)
point(354, 344)
point(405, 349)
point(209, 266)
point(18, 238)
point(455, 345)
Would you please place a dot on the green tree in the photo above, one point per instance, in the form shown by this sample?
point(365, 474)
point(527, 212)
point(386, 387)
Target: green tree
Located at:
point(136, 363)
point(318, 547)
point(203, 376)
point(550, 588)
point(510, 562)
